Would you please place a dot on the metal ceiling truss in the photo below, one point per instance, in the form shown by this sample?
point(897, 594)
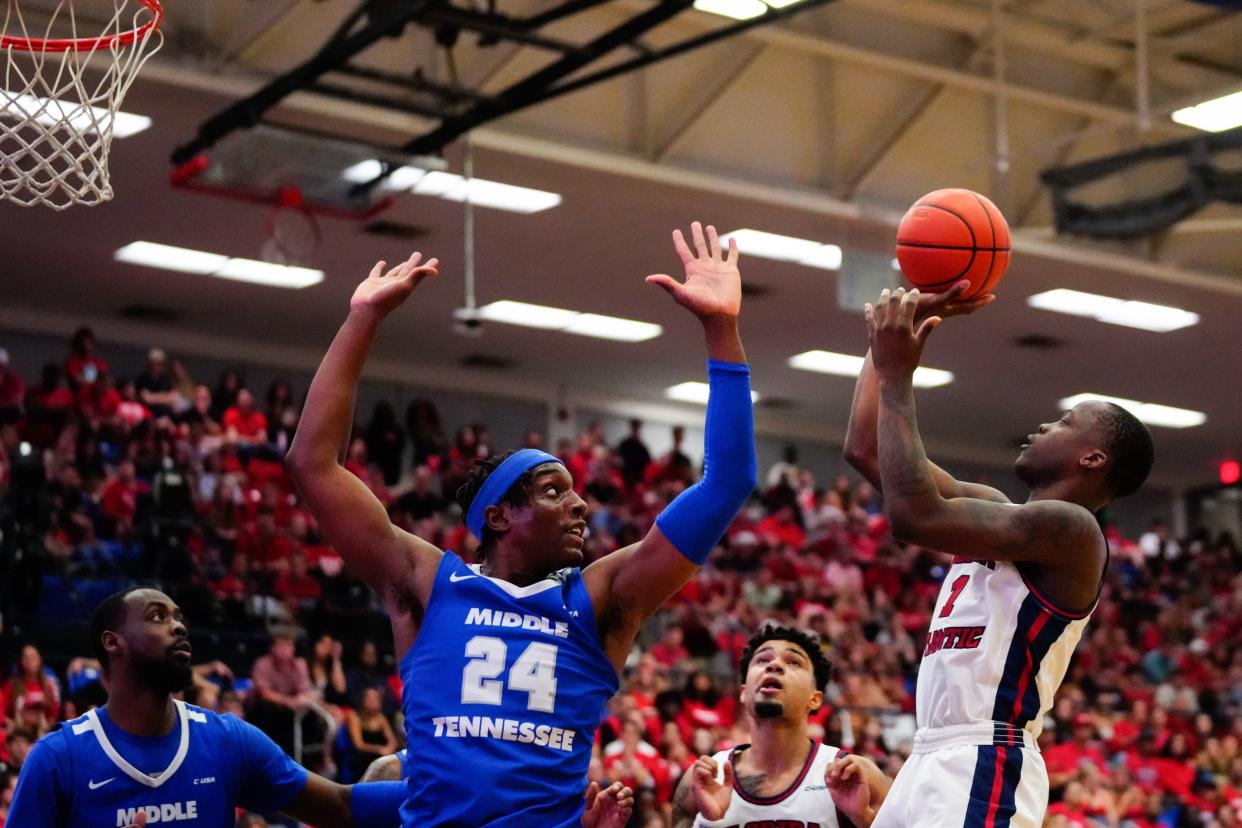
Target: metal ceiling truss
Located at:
point(457, 108)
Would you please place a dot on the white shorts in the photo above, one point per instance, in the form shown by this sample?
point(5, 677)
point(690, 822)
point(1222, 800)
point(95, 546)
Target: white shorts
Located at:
point(987, 775)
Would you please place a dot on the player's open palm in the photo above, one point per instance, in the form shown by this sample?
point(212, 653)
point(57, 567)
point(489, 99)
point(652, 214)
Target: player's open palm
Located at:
point(711, 796)
point(713, 285)
point(382, 291)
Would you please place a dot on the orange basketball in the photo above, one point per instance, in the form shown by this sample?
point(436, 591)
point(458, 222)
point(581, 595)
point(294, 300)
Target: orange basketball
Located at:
point(950, 235)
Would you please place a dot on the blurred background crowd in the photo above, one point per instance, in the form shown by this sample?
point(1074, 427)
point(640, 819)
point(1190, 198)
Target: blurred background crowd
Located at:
point(165, 478)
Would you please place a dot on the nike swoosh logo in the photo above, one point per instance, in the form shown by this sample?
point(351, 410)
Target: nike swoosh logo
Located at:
point(455, 577)
point(93, 784)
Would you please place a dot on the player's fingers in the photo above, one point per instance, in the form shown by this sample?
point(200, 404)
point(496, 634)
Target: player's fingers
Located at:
point(732, 251)
point(728, 774)
point(683, 249)
point(592, 792)
point(429, 268)
point(713, 242)
point(625, 796)
point(953, 292)
point(926, 328)
point(869, 315)
point(665, 281)
point(881, 306)
point(700, 243)
point(378, 270)
point(907, 307)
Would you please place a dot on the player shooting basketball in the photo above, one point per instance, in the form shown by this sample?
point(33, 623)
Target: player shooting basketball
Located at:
point(1024, 580)
point(507, 664)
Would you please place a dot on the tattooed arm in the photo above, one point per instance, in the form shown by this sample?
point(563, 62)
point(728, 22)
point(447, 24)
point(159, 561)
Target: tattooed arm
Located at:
point(684, 809)
point(1055, 533)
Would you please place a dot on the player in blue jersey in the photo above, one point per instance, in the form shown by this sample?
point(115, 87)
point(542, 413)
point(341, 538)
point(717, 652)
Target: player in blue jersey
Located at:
point(507, 664)
point(146, 758)
point(609, 807)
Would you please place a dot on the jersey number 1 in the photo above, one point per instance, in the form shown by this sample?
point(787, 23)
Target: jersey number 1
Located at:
point(956, 590)
point(534, 673)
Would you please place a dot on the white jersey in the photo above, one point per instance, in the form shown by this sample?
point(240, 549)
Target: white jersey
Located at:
point(996, 652)
point(804, 804)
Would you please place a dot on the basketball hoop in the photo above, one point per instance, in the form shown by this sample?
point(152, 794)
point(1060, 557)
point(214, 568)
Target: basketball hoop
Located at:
point(56, 124)
point(293, 235)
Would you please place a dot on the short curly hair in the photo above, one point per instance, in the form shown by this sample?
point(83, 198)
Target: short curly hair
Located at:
point(468, 491)
point(820, 662)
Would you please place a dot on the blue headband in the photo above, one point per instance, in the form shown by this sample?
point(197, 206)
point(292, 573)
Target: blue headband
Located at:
point(499, 482)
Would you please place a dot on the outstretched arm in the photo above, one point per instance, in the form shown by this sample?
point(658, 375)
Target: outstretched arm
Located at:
point(862, 436)
point(397, 565)
point(627, 586)
point(1051, 532)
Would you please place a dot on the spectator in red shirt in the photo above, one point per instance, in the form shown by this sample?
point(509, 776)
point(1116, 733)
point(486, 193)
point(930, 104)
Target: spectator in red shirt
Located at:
point(244, 421)
point(634, 762)
point(670, 650)
point(295, 586)
point(12, 387)
point(781, 528)
point(120, 498)
point(98, 400)
point(282, 687)
point(82, 365)
point(48, 406)
point(1063, 760)
point(30, 687)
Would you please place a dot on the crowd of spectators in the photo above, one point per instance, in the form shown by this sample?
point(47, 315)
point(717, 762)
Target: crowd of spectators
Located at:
point(159, 477)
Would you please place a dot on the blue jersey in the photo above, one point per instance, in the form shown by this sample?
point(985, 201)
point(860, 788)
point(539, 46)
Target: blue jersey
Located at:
point(504, 689)
point(91, 774)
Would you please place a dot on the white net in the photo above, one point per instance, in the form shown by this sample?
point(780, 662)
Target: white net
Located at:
point(64, 80)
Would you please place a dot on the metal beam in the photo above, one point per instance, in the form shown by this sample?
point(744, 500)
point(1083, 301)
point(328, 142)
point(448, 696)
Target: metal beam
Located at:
point(708, 98)
point(339, 49)
point(534, 88)
point(1034, 36)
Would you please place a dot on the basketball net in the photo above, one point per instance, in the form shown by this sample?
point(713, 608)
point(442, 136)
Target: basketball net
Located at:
point(59, 98)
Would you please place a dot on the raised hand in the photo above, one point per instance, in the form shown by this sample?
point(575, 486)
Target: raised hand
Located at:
point(711, 797)
point(946, 304)
point(382, 292)
point(896, 346)
point(713, 285)
point(609, 808)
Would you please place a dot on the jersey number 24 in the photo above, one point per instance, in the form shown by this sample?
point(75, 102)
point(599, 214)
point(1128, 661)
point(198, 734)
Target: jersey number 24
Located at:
point(534, 673)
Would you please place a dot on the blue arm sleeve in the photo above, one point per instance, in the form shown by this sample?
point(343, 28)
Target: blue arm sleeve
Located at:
point(377, 804)
point(270, 779)
point(698, 518)
point(40, 800)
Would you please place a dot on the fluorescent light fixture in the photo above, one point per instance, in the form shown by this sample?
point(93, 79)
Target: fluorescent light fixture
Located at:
point(1143, 315)
point(569, 321)
point(453, 187)
point(695, 392)
point(846, 365)
point(1150, 413)
point(737, 9)
point(610, 327)
point(167, 257)
point(1216, 115)
point(530, 316)
point(785, 248)
point(266, 273)
point(201, 263)
point(79, 117)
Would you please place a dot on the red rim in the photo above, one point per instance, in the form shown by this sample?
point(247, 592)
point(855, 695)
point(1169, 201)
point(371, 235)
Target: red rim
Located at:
point(88, 44)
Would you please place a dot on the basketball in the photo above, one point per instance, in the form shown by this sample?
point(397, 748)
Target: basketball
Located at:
point(950, 235)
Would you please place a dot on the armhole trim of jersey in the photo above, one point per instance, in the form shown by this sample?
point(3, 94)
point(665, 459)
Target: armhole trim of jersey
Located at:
point(1052, 606)
point(783, 795)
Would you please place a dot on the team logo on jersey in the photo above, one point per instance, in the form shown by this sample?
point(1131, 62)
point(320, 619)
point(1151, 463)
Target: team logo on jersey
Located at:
point(168, 812)
point(954, 638)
